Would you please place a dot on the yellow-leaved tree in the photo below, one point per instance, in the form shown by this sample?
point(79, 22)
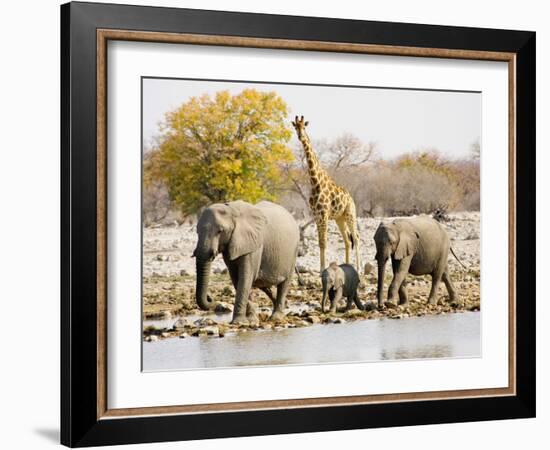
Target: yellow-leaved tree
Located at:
point(220, 148)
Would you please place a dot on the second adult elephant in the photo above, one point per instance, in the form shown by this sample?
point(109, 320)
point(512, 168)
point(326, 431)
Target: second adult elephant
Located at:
point(419, 246)
point(259, 244)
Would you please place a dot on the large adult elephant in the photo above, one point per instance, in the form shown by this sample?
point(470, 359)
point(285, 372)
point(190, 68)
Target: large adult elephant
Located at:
point(419, 246)
point(258, 243)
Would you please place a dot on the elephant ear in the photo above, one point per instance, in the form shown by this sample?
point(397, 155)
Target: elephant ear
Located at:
point(335, 274)
point(248, 232)
point(380, 231)
point(408, 241)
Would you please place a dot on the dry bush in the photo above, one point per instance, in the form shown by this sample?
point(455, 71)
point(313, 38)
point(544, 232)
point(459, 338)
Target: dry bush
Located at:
point(395, 191)
point(295, 204)
point(387, 188)
point(156, 203)
point(468, 180)
point(158, 209)
point(471, 202)
point(344, 152)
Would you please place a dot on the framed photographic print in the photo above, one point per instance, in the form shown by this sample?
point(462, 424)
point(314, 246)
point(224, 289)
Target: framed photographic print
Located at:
point(277, 224)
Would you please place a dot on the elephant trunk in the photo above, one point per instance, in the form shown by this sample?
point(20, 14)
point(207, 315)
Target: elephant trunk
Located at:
point(201, 293)
point(381, 273)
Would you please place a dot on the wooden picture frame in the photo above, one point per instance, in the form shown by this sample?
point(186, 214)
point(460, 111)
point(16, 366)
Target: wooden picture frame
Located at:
point(85, 417)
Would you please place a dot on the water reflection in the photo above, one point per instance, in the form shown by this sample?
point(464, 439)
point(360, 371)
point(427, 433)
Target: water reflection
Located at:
point(428, 351)
point(453, 335)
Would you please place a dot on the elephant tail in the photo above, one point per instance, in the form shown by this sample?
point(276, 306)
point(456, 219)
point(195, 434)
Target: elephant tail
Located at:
point(454, 254)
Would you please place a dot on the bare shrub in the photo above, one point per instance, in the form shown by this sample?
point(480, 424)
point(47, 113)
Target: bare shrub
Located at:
point(158, 209)
point(468, 180)
point(344, 152)
point(471, 201)
point(412, 184)
point(405, 191)
point(295, 204)
point(156, 203)
point(440, 214)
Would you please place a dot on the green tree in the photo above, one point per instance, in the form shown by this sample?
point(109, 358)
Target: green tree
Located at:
point(221, 148)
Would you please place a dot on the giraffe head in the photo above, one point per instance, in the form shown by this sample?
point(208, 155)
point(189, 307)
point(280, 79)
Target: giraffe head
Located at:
point(300, 126)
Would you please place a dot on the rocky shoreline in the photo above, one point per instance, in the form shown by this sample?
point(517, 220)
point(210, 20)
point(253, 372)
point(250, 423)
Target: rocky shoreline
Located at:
point(184, 320)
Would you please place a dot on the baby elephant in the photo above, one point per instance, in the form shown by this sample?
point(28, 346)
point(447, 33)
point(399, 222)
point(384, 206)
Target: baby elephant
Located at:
point(340, 281)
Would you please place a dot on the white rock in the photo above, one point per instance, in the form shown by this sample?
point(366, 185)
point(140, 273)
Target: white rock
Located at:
point(182, 323)
point(211, 331)
point(204, 322)
point(223, 307)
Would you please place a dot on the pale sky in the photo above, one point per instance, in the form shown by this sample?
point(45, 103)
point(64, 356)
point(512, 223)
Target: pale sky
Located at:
point(399, 121)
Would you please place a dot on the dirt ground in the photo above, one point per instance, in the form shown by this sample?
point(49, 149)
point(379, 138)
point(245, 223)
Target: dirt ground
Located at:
point(169, 282)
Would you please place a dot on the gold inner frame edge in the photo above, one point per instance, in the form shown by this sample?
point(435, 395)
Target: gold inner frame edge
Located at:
point(103, 36)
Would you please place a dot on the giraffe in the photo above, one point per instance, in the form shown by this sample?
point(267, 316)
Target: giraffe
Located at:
point(328, 201)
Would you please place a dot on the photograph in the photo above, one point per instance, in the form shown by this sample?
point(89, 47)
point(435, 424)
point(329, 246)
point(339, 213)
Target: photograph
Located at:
point(297, 224)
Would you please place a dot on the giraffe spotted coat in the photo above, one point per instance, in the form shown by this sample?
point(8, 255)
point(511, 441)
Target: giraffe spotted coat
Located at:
point(328, 201)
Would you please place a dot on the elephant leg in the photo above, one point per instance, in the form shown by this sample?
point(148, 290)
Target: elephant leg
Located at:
point(353, 298)
point(436, 279)
point(358, 302)
point(449, 285)
point(251, 312)
point(233, 270)
point(349, 302)
point(342, 226)
point(279, 303)
point(267, 291)
point(403, 297)
point(244, 285)
point(400, 271)
point(331, 299)
point(335, 299)
point(322, 226)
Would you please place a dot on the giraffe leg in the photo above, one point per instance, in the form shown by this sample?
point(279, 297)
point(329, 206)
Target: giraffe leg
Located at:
point(351, 225)
point(345, 235)
point(322, 225)
point(350, 219)
point(356, 245)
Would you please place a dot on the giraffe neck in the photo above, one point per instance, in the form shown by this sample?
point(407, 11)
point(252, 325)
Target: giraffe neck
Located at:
point(313, 165)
